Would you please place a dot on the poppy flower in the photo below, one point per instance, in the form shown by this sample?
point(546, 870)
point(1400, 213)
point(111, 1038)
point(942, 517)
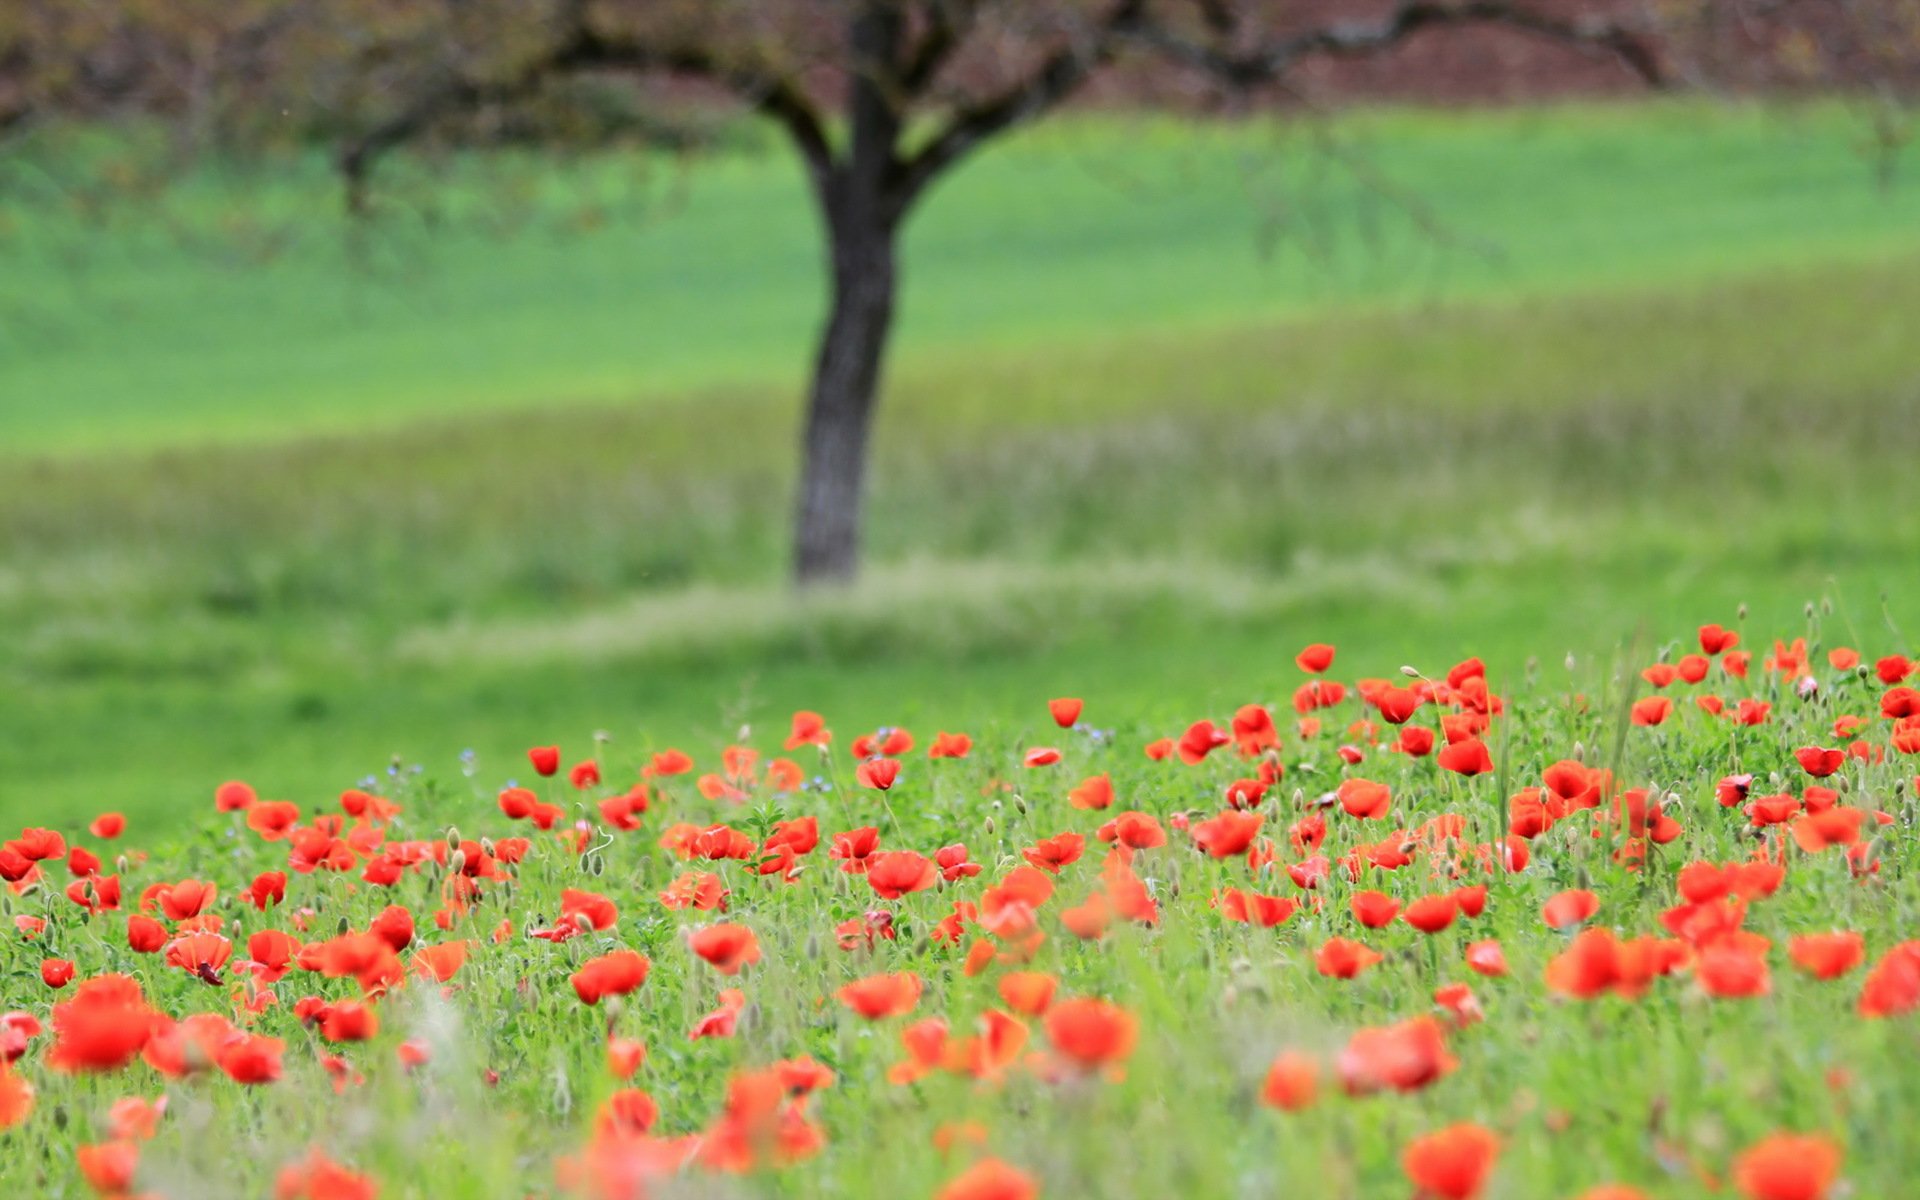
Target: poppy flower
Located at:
point(103, 1027)
point(1317, 657)
point(1403, 1057)
point(1818, 761)
point(1466, 757)
point(1453, 1163)
point(896, 873)
point(1570, 908)
point(1201, 739)
point(1714, 639)
point(1093, 792)
point(233, 796)
point(1091, 1033)
point(317, 1177)
point(200, 955)
point(107, 826)
point(990, 1179)
point(1431, 914)
point(1065, 711)
point(1227, 834)
point(1788, 1166)
point(880, 996)
point(727, 947)
point(108, 1167)
point(1487, 958)
point(1343, 958)
point(250, 1058)
point(1730, 971)
point(1029, 992)
point(1292, 1082)
point(1653, 710)
point(16, 1097)
point(1134, 830)
point(1827, 955)
point(1375, 910)
point(877, 774)
point(56, 973)
point(808, 729)
point(1253, 908)
point(349, 1021)
point(1365, 799)
point(1050, 854)
point(613, 974)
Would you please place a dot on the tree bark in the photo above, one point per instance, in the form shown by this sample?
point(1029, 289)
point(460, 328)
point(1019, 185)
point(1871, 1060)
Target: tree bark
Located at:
point(846, 382)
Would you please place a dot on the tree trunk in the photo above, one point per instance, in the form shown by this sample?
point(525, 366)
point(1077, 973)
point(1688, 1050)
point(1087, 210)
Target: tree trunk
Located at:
point(846, 381)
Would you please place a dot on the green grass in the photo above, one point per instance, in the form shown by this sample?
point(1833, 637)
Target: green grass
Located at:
point(239, 305)
point(289, 521)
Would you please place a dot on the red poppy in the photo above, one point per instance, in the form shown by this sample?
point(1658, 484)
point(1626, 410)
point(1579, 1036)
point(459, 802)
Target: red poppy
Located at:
point(1570, 908)
point(727, 947)
point(878, 774)
point(1091, 1033)
point(1227, 834)
point(1788, 1166)
point(1452, 1164)
point(613, 974)
point(1343, 958)
point(1317, 657)
point(1375, 910)
point(1065, 711)
point(1292, 1082)
point(879, 996)
point(990, 1179)
point(1365, 799)
point(1468, 756)
point(896, 873)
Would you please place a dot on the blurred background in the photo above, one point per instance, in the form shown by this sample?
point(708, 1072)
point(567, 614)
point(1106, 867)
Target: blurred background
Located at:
point(383, 382)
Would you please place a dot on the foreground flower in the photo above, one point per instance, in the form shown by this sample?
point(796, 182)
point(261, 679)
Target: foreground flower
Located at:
point(613, 974)
point(879, 996)
point(1788, 1166)
point(1092, 1033)
point(990, 1179)
point(1452, 1164)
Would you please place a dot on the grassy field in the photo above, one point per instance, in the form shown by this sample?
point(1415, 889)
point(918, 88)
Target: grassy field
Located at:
point(414, 490)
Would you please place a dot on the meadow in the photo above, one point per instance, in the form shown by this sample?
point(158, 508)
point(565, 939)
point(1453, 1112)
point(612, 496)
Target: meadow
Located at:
point(461, 482)
point(428, 785)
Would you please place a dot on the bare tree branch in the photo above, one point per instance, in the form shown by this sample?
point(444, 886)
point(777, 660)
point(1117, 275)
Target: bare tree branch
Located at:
point(583, 49)
point(1269, 63)
point(1057, 77)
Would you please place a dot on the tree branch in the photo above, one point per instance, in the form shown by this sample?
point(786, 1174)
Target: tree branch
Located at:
point(1056, 78)
point(583, 49)
point(1357, 39)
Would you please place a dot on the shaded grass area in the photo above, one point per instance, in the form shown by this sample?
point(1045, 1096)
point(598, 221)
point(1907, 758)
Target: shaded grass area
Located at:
point(1155, 521)
point(240, 306)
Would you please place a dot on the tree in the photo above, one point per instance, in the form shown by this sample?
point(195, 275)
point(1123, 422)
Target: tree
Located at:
point(881, 99)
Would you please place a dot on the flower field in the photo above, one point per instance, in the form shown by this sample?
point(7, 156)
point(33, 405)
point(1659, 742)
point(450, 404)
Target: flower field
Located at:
point(1581, 933)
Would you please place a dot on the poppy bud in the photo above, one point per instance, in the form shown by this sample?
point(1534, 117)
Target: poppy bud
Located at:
point(1808, 609)
point(813, 946)
point(453, 838)
point(486, 845)
point(990, 827)
point(1570, 660)
point(1579, 752)
point(343, 928)
point(60, 1116)
point(1410, 672)
point(1020, 805)
point(457, 862)
point(596, 865)
point(1843, 782)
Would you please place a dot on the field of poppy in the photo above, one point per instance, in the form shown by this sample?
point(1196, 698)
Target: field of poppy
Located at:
point(1441, 933)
